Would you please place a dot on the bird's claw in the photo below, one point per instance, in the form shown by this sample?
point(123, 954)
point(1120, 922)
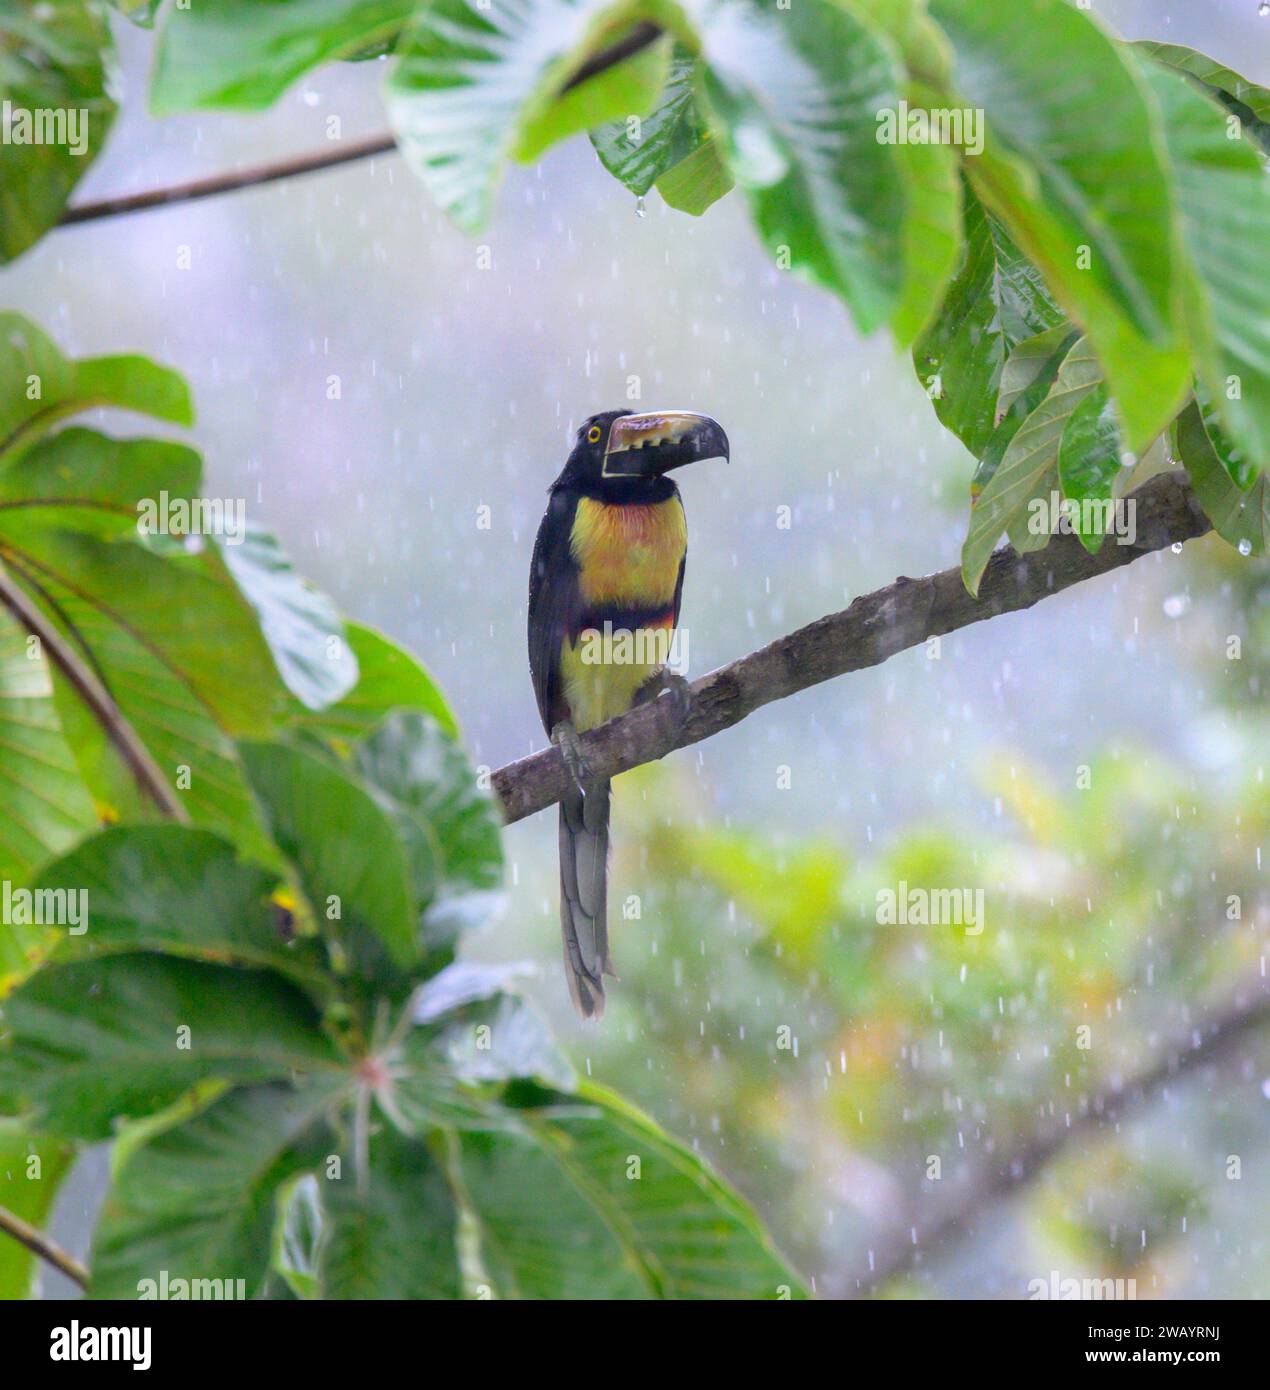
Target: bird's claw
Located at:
point(678, 694)
point(565, 737)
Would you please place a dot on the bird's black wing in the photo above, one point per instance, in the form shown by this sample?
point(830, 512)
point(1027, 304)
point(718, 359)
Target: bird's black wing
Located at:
point(555, 604)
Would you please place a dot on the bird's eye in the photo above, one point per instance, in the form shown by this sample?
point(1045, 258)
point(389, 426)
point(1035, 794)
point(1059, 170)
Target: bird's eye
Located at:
point(593, 434)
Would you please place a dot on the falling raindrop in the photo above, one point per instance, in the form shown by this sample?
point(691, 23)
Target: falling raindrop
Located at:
point(641, 208)
point(1128, 459)
point(1264, 8)
point(1245, 545)
point(1177, 547)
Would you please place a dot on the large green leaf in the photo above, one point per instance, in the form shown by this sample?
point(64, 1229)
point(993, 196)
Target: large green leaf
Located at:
point(346, 849)
point(299, 622)
point(1027, 378)
point(1029, 468)
point(1240, 97)
point(474, 87)
point(673, 147)
point(241, 55)
point(388, 678)
point(56, 65)
point(797, 94)
point(1224, 202)
point(31, 1171)
point(397, 1237)
point(166, 628)
point(39, 387)
point(96, 1041)
point(183, 892)
point(452, 826)
point(589, 1199)
point(44, 805)
point(996, 301)
point(1075, 169)
point(1089, 465)
point(1240, 517)
point(932, 224)
point(199, 1201)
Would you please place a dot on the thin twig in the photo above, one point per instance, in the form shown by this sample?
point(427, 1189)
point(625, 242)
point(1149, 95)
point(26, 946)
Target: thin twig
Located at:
point(1203, 1042)
point(94, 694)
point(875, 627)
point(39, 1244)
point(640, 37)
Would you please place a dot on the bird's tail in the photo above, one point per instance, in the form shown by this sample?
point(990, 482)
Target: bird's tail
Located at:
point(584, 852)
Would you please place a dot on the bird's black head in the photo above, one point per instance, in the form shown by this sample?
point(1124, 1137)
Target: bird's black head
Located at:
point(622, 455)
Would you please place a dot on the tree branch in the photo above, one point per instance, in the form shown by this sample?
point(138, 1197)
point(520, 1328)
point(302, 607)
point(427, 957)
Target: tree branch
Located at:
point(229, 183)
point(94, 694)
point(39, 1244)
point(1114, 1102)
point(875, 627)
point(639, 38)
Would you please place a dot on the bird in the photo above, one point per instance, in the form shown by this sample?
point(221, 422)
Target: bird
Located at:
point(605, 585)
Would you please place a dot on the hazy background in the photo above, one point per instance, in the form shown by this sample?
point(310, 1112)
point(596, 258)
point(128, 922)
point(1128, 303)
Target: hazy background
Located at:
point(460, 388)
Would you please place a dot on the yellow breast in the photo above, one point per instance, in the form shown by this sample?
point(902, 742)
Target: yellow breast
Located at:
point(629, 555)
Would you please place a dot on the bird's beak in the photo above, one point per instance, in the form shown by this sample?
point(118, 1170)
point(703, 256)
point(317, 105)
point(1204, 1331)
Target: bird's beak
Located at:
point(650, 444)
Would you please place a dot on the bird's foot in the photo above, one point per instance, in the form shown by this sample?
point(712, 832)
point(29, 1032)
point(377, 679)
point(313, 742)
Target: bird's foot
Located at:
point(678, 695)
point(565, 737)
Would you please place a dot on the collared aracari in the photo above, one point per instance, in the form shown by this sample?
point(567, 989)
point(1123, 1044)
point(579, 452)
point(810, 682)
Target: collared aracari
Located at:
point(604, 591)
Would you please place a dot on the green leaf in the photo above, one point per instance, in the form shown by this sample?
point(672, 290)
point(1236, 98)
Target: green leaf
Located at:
point(1089, 465)
point(101, 1040)
point(44, 805)
point(797, 95)
point(473, 88)
point(388, 678)
point(996, 301)
point(183, 892)
point(56, 64)
point(932, 224)
point(456, 849)
point(591, 1200)
point(169, 633)
point(1029, 468)
point(199, 1202)
point(1242, 518)
point(297, 1238)
point(346, 849)
point(396, 1240)
point(39, 387)
point(241, 55)
point(299, 622)
point(31, 1171)
point(627, 89)
point(698, 182)
point(1075, 170)
point(1224, 203)
point(672, 147)
point(1239, 96)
